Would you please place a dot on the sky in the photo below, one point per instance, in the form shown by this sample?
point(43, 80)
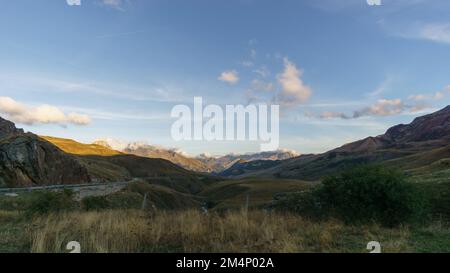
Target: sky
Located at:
point(340, 70)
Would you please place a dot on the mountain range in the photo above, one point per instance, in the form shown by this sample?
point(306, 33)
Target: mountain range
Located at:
point(202, 163)
point(28, 160)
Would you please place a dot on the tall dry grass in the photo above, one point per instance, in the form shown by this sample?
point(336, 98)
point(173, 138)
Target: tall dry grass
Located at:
point(193, 231)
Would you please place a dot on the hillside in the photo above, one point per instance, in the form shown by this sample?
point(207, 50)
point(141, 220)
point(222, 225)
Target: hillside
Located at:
point(72, 147)
point(105, 164)
point(408, 146)
point(27, 160)
point(243, 167)
point(172, 155)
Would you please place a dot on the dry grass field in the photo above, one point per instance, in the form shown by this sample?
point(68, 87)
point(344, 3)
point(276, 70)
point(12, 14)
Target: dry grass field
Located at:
point(234, 231)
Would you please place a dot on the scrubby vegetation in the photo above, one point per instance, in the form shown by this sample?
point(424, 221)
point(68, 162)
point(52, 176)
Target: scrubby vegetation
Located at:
point(340, 214)
point(43, 202)
point(361, 195)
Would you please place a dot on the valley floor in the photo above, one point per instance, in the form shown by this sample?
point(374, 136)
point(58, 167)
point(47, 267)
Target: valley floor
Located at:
point(194, 231)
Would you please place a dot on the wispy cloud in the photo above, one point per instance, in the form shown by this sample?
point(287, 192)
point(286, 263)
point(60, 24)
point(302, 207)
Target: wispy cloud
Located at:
point(439, 95)
point(119, 116)
point(382, 88)
point(43, 114)
point(381, 108)
point(438, 32)
point(38, 82)
point(116, 4)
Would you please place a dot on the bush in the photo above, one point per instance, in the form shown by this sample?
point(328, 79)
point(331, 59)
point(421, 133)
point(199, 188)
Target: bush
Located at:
point(44, 202)
point(361, 195)
point(95, 203)
point(304, 203)
point(371, 193)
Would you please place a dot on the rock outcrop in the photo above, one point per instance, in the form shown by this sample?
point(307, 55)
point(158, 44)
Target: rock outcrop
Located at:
point(27, 160)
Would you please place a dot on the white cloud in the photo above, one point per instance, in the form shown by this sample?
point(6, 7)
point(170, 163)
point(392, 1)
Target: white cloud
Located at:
point(230, 76)
point(436, 96)
point(294, 91)
point(115, 4)
point(78, 119)
point(43, 114)
point(73, 2)
point(112, 3)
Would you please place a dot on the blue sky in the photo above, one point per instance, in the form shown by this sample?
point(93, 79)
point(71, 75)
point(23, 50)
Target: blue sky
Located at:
point(111, 68)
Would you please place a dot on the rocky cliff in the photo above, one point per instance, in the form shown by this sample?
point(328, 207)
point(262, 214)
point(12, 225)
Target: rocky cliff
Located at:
point(27, 160)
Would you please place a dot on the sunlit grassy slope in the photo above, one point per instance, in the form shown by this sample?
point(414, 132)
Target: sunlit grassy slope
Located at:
point(104, 165)
point(72, 147)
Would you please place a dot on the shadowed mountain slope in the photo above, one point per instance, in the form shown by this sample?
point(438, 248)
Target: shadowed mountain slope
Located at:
point(422, 142)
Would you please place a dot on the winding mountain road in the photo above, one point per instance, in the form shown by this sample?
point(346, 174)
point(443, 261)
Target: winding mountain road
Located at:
point(81, 190)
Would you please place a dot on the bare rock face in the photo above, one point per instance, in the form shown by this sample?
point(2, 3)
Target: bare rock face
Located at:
point(7, 128)
point(434, 126)
point(26, 160)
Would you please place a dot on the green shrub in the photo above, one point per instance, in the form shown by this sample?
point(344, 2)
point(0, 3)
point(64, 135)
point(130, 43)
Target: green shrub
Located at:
point(304, 203)
point(371, 193)
point(44, 202)
point(95, 203)
point(360, 195)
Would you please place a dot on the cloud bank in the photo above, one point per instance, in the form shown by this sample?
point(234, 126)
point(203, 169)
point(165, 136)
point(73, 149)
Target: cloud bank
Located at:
point(43, 114)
